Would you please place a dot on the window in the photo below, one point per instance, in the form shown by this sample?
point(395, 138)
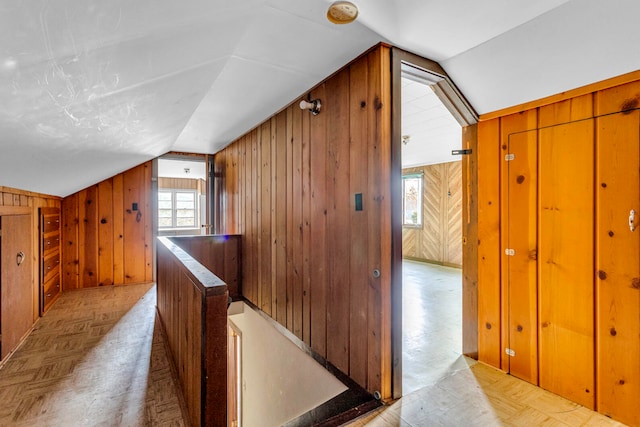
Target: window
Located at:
point(176, 209)
point(412, 200)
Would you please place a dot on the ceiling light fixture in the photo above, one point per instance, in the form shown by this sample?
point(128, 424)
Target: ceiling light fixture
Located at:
point(342, 12)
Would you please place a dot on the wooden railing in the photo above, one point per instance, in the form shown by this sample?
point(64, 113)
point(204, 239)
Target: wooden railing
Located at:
point(219, 253)
point(192, 306)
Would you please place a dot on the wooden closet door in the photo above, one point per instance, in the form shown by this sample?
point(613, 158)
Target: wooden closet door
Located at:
point(565, 260)
point(519, 256)
point(17, 289)
point(618, 255)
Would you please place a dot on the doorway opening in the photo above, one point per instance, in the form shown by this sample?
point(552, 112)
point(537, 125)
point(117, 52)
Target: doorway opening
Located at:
point(432, 314)
point(431, 237)
point(182, 196)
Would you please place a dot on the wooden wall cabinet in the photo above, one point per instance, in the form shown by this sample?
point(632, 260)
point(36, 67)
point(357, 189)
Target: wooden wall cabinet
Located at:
point(50, 284)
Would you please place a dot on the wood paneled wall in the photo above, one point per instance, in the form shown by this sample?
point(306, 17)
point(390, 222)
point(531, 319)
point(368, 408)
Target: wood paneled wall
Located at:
point(566, 301)
point(310, 260)
point(219, 253)
point(192, 306)
point(104, 240)
point(439, 239)
point(15, 197)
point(182, 184)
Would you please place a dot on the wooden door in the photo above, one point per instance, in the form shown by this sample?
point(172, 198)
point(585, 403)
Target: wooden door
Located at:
point(618, 256)
point(565, 260)
point(520, 255)
point(16, 279)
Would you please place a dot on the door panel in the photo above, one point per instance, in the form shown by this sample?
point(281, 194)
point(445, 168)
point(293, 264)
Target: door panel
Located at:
point(17, 289)
point(618, 264)
point(566, 221)
point(520, 256)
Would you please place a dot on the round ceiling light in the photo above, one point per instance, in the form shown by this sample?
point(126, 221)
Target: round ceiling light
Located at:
point(342, 12)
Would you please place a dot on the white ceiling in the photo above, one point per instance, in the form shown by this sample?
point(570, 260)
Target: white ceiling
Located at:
point(91, 88)
point(189, 169)
point(429, 130)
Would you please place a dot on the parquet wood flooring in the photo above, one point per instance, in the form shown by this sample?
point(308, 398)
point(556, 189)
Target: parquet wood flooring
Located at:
point(97, 358)
point(485, 397)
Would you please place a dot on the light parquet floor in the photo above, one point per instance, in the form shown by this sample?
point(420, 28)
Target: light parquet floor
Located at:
point(97, 358)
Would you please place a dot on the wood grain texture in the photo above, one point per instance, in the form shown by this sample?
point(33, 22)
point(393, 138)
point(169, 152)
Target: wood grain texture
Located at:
point(519, 203)
point(338, 220)
point(105, 233)
point(467, 209)
point(566, 252)
point(105, 242)
point(70, 240)
point(489, 290)
point(195, 322)
point(16, 293)
point(308, 256)
point(359, 221)
point(587, 256)
point(439, 239)
point(617, 271)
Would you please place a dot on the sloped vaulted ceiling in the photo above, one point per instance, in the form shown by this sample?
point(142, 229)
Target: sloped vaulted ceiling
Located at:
point(91, 88)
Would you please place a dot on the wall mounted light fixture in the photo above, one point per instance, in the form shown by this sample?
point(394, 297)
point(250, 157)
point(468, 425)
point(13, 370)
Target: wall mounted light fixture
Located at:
point(312, 105)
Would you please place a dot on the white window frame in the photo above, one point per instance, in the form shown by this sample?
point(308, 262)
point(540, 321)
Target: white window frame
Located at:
point(174, 209)
point(419, 209)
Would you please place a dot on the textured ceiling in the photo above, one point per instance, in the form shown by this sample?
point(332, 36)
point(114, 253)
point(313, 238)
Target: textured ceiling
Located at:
point(91, 88)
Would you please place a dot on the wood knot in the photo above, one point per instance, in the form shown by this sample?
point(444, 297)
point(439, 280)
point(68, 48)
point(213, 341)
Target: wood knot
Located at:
point(635, 283)
point(520, 179)
point(629, 105)
point(602, 275)
point(545, 324)
point(519, 328)
point(610, 233)
point(377, 103)
point(488, 325)
point(621, 382)
point(103, 221)
point(504, 146)
point(613, 332)
point(603, 185)
point(533, 254)
point(363, 104)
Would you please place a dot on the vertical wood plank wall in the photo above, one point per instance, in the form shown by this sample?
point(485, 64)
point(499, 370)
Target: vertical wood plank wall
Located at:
point(569, 298)
point(104, 241)
point(308, 256)
point(16, 197)
point(439, 239)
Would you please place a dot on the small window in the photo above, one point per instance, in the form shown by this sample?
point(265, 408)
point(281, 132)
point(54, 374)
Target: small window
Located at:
point(176, 209)
point(412, 200)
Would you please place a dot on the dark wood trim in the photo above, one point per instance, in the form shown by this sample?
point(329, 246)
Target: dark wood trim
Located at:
point(396, 222)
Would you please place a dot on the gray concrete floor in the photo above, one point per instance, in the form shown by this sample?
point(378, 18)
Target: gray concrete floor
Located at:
point(432, 324)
